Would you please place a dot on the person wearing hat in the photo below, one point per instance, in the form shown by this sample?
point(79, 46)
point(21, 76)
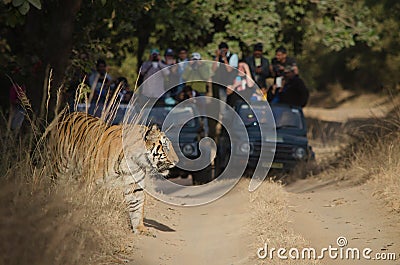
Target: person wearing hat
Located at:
point(197, 70)
point(153, 88)
point(196, 74)
point(259, 66)
point(172, 80)
point(169, 57)
point(293, 91)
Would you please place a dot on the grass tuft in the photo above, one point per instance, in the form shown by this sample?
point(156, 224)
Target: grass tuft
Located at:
point(47, 221)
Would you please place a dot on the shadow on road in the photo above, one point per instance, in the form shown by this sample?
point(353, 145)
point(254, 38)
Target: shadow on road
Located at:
point(156, 225)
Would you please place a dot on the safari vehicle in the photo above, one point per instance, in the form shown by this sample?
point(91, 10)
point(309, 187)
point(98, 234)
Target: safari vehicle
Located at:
point(190, 134)
point(117, 116)
point(291, 148)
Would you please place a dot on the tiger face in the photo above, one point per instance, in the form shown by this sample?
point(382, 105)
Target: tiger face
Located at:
point(160, 150)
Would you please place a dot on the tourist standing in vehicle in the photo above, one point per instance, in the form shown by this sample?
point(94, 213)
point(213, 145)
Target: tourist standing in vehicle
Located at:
point(293, 91)
point(196, 75)
point(125, 93)
point(153, 88)
point(243, 85)
point(99, 82)
point(259, 66)
point(223, 66)
point(172, 80)
point(281, 61)
point(183, 62)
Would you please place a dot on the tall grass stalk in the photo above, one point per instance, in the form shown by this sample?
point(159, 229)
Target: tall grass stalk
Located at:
point(68, 221)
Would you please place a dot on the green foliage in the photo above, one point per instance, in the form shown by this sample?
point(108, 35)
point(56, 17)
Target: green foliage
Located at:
point(355, 43)
point(16, 11)
point(254, 21)
point(341, 24)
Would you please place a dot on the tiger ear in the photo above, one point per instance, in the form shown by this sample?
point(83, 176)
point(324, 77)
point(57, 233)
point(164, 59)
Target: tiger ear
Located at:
point(151, 132)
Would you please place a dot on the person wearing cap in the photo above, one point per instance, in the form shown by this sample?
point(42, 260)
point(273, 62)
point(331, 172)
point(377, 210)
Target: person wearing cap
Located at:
point(197, 70)
point(196, 74)
point(153, 88)
point(169, 57)
point(293, 90)
point(259, 66)
point(172, 80)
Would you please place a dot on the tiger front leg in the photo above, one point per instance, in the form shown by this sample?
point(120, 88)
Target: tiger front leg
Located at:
point(135, 200)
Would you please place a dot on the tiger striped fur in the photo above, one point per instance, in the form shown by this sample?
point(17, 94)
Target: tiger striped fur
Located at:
point(86, 145)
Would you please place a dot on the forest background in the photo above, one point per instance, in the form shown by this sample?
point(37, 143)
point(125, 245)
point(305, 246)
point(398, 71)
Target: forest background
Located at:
point(344, 44)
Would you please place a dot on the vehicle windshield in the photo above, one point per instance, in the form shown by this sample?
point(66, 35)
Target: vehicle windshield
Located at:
point(285, 116)
point(178, 115)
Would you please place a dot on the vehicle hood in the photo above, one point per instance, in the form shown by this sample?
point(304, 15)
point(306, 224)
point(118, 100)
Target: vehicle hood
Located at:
point(282, 136)
point(291, 139)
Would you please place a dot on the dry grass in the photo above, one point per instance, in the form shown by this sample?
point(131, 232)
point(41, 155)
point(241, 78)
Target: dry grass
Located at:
point(55, 222)
point(372, 156)
point(47, 222)
point(378, 163)
point(270, 222)
point(364, 151)
point(387, 171)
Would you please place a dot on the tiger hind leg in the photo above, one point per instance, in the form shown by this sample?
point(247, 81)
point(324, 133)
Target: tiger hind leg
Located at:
point(135, 200)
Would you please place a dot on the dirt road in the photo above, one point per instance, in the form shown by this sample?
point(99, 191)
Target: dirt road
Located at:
point(216, 233)
point(221, 232)
point(322, 211)
point(319, 211)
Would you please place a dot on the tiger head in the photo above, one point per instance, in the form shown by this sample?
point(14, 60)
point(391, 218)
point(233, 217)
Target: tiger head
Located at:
point(160, 150)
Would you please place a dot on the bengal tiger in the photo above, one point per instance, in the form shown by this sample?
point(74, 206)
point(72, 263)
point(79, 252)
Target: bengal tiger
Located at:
point(85, 145)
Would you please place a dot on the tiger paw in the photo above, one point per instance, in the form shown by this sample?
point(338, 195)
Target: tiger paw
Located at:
point(143, 230)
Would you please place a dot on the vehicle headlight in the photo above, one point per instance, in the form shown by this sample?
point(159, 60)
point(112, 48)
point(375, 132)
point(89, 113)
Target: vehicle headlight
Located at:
point(245, 148)
point(300, 153)
point(187, 149)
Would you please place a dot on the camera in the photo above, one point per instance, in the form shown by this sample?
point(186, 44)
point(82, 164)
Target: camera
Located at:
point(154, 57)
point(195, 64)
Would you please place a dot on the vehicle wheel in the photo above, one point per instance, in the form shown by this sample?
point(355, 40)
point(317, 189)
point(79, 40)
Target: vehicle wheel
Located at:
point(222, 158)
point(184, 175)
point(172, 175)
point(202, 176)
point(220, 164)
point(304, 169)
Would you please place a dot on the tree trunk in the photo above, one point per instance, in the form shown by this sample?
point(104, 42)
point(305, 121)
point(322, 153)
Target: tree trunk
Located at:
point(49, 36)
point(145, 25)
